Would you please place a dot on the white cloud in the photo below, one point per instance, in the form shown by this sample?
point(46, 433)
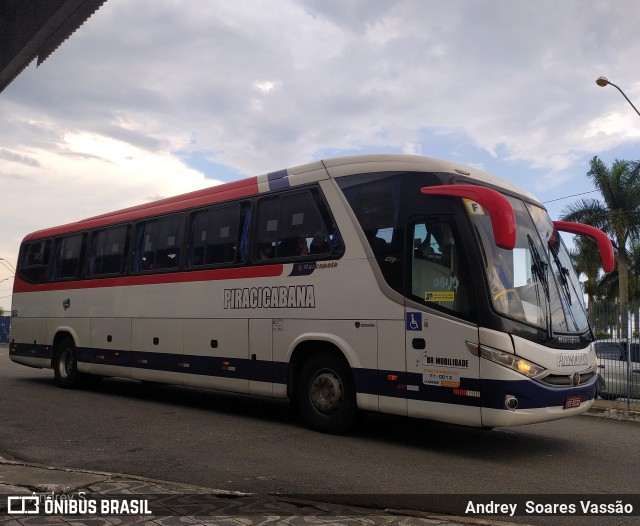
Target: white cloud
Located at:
point(265, 86)
point(81, 175)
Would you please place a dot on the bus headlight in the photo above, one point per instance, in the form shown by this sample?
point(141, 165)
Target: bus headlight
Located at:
point(512, 361)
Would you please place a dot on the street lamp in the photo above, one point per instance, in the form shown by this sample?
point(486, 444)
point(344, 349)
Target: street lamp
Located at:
point(603, 81)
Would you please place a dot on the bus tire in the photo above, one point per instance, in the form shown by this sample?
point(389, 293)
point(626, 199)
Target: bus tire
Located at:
point(325, 395)
point(65, 364)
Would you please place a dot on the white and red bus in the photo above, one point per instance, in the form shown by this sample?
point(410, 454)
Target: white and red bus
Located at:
point(389, 283)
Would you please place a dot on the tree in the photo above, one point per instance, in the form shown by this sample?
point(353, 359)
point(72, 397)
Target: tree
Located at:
point(609, 283)
point(586, 260)
point(618, 215)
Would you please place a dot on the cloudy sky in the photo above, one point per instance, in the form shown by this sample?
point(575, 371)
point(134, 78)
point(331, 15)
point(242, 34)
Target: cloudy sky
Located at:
point(150, 98)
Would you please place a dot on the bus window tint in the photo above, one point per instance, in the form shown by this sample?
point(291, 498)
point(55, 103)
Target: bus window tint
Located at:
point(67, 261)
point(215, 236)
point(375, 200)
point(108, 251)
point(33, 267)
point(158, 244)
point(294, 224)
point(438, 276)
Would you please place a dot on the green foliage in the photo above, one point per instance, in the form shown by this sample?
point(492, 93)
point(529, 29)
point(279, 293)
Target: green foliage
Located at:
point(602, 335)
point(617, 214)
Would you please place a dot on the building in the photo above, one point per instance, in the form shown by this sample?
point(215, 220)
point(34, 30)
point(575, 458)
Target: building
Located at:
point(32, 30)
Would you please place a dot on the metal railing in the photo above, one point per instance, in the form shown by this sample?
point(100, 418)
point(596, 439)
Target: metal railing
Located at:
point(617, 329)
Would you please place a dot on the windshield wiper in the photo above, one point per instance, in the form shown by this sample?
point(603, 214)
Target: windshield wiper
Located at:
point(539, 266)
point(539, 269)
point(563, 272)
point(566, 285)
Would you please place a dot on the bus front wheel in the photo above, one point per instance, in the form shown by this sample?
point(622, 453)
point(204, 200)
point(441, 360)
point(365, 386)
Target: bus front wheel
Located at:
point(65, 365)
point(326, 398)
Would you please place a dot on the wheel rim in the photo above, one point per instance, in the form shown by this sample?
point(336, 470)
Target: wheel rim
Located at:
point(65, 364)
point(326, 392)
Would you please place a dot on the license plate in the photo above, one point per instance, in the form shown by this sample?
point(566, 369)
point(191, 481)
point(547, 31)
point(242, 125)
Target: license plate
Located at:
point(571, 402)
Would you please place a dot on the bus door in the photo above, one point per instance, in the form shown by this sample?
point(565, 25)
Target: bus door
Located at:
point(443, 374)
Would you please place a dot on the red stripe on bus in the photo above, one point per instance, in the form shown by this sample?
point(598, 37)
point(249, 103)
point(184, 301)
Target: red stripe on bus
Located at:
point(266, 271)
point(215, 194)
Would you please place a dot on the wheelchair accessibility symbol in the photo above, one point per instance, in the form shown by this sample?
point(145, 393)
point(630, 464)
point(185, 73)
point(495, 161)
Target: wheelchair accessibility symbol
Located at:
point(414, 321)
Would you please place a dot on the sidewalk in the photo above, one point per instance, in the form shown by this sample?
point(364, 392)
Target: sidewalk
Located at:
point(173, 503)
point(616, 409)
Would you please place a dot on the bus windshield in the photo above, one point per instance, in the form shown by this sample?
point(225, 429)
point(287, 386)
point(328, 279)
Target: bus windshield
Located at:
point(535, 282)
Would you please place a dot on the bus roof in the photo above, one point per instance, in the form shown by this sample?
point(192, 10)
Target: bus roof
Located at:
point(290, 177)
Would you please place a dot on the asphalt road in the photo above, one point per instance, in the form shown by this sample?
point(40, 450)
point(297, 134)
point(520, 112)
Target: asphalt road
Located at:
point(248, 444)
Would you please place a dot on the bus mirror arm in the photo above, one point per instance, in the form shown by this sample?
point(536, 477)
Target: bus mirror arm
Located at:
point(604, 243)
point(503, 218)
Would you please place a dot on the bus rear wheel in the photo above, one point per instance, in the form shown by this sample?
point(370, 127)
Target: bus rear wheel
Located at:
point(65, 364)
point(325, 397)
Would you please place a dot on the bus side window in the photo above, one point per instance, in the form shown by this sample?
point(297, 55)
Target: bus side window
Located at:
point(159, 244)
point(376, 202)
point(295, 225)
point(169, 242)
point(375, 210)
point(215, 236)
point(438, 274)
point(267, 231)
point(68, 258)
point(35, 261)
point(108, 251)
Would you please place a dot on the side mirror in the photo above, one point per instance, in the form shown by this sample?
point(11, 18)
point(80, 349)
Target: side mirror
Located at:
point(503, 218)
point(604, 243)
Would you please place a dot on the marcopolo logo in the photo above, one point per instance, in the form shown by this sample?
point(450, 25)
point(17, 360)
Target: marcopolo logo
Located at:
point(293, 297)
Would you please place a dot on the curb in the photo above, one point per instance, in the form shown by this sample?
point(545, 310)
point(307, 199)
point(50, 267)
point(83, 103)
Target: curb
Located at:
point(105, 476)
point(615, 410)
point(614, 414)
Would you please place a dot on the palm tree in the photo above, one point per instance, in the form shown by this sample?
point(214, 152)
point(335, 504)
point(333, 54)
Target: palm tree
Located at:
point(608, 290)
point(586, 260)
point(618, 215)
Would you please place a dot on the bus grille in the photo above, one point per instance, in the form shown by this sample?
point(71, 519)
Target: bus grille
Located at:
point(557, 380)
